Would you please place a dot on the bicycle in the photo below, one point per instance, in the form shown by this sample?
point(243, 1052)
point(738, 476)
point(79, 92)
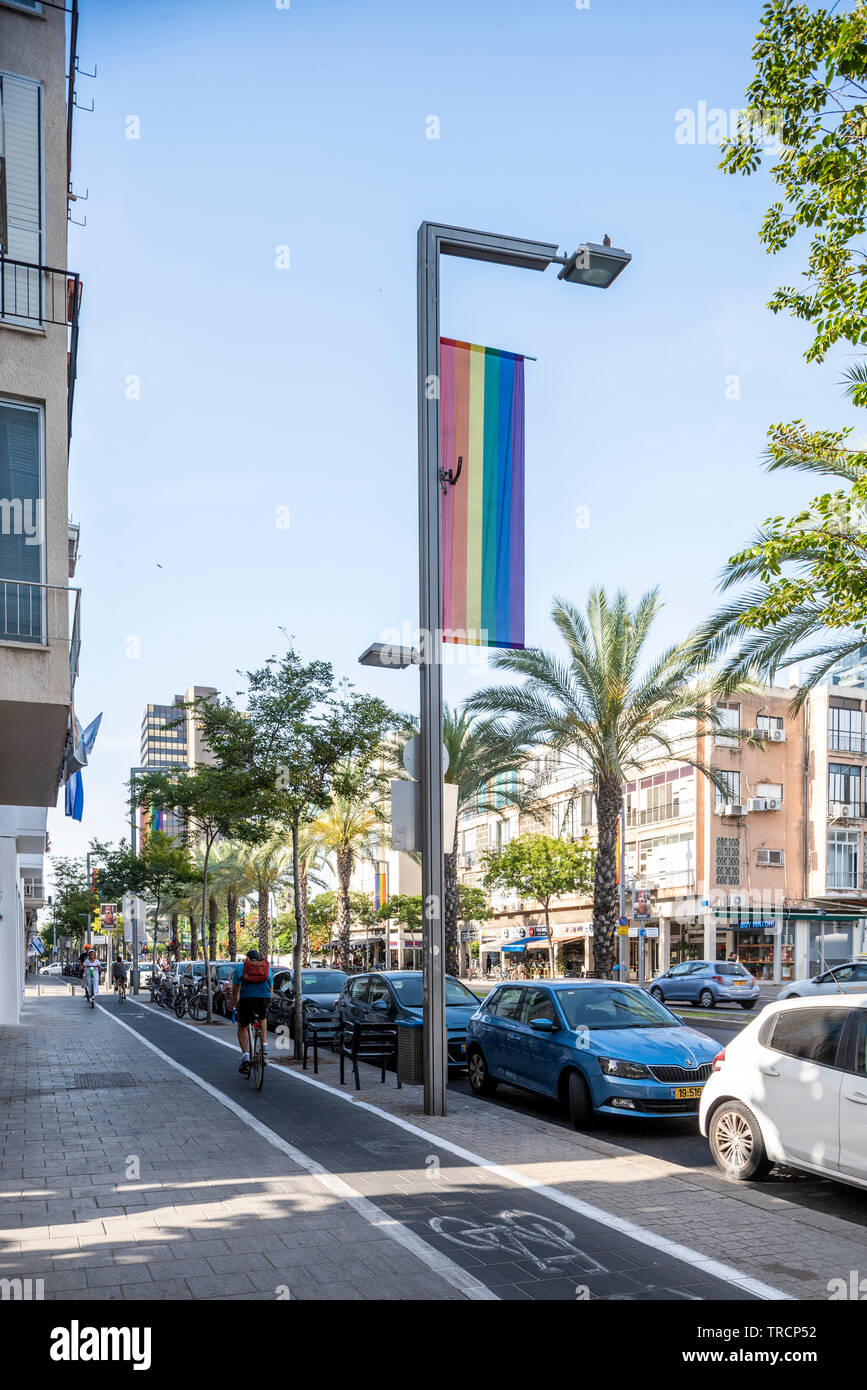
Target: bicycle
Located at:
point(257, 1049)
point(120, 990)
point(197, 1003)
point(183, 993)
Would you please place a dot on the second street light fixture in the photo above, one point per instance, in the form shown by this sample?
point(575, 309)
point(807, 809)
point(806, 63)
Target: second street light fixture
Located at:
point(591, 264)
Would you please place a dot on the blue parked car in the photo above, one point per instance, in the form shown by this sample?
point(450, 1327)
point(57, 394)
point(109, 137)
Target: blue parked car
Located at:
point(601, 1048)
point(708, 982)
point(386, 996)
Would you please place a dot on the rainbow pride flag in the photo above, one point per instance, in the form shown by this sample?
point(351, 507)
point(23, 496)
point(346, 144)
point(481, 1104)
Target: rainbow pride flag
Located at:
point(380, 889)
point(482, 424)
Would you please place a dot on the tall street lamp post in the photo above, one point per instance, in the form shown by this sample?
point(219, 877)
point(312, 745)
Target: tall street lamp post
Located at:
point(590, 264)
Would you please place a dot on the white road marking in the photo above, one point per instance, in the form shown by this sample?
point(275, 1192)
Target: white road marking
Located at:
point(450, 1272)
point(714, 1269)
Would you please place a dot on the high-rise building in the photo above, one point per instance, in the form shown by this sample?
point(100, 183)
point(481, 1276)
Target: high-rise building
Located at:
point(39, 305)
point(170, 737)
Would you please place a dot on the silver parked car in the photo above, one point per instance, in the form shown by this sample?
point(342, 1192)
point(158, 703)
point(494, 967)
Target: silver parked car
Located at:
point(848, 978)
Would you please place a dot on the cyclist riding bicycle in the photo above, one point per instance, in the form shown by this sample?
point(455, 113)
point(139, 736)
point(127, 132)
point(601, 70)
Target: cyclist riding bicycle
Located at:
point(91, 977)
point(251, 990)
point(118, 974)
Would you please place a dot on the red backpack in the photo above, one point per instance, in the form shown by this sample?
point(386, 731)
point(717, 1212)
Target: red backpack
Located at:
point(255, 972)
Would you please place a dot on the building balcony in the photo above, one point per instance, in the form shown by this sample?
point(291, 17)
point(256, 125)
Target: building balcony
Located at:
point(40, 640)
point(842, 811)
point(33, 295)
point(652, 815)
point(34, 892)
point(846, 881)
point(842, 741)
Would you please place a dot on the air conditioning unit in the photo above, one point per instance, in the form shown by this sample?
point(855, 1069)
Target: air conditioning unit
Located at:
point(772, 858)
point(734, 808)
point(757, 803)
point(773, 803)
point(759, 733)
point(848, 812)
point(777, 735)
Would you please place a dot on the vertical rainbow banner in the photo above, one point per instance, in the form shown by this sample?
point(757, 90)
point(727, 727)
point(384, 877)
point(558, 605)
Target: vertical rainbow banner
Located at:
point(380, 888)
point(482, 425)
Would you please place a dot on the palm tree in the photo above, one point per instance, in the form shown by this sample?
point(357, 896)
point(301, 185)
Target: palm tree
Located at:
point(266, 867)
point(479, 752)
point(600, 711)
point(310, 856)
point(229, 875)
point(350, 827)
point(797, 600)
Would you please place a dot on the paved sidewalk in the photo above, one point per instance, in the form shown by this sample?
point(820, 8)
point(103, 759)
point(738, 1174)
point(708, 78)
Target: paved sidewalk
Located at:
point(149, 1189)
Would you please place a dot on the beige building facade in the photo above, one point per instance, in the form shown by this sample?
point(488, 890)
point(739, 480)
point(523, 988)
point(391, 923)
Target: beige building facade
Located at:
point(39, 609)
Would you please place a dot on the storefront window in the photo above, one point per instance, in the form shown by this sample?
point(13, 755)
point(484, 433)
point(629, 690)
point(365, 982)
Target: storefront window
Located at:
point(830, 945)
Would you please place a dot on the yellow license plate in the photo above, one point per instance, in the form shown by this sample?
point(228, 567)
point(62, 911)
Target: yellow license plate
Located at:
point(736, 983)
point(687, 1092)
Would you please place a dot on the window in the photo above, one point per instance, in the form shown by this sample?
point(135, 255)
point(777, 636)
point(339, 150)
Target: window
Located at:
point(505, 789)
point(730, 718)
point(358, 989)
point(379, 990)
point(500, 834)
point(732, 789)
point(21, 524)
point(728, 860)
point(844, 727)
point(540, 1005)
point(812, 1034)
point(508, 1002)
point(770, 858)
point(861, 1047)
point(844, 786)
point(21, 193)
point(844, 850)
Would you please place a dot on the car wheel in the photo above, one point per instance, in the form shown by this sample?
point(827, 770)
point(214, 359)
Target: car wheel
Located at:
point(748, 1004)
point(658, 995)
point(736, 1142)
point(580, 1105)
point(793, 995)
point(480, 1079)
point(706, 1000)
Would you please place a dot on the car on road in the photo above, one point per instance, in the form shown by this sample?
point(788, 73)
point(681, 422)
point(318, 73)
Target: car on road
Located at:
point(55, 968)
point(848, 978)
point(707, 983)
point(387, 996)
point(320, 991)
point(792, 1088)
point(601, 1048)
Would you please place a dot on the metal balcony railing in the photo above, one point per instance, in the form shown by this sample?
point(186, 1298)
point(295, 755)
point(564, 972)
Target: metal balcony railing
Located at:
point(845, 810)
point(843, 881)
point(843, 741)
point(39, 614)
point(651, 815)
point(32, 295)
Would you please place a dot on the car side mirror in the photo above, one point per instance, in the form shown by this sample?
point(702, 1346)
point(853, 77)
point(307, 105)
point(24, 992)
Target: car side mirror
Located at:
point(380, 1004)
point(543, 1025)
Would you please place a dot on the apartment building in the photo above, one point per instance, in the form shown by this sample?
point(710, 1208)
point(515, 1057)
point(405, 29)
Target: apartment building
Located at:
point(764, 860)
point(170, 737)
point(39, 306)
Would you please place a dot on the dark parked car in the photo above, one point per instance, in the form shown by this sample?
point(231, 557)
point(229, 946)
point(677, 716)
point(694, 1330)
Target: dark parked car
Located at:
point(320, 991)
point(387, 996)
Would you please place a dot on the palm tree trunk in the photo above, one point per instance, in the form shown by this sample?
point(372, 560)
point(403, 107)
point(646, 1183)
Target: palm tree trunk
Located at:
point(301, 915)
point(344, 874)
point(606, 901)
point(213, 919)
point(194, 938)
point(174, 944)
point(550, 938)
point(232, 914)
point(264, 918)
point(452, 907)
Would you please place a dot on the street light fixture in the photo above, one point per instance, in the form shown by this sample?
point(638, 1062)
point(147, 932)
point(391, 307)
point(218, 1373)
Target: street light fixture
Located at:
point(593, 265)
point(390, 656)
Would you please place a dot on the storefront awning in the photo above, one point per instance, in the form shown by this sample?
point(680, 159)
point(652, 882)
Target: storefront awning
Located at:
point(528, 945)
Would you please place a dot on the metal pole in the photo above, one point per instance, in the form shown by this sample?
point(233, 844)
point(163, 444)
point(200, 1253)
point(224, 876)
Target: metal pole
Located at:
point(435, 239)
point(430, 673)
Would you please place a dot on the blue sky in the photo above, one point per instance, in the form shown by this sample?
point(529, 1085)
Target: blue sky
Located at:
point(262, 389)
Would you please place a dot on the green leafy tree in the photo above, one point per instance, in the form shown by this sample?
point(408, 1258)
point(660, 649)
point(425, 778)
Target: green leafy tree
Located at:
point(405, 908)
point(72, 899)
point(351, 828)
point(609, 714)
point(159, 873)
point(542, 867)
point(807, 100)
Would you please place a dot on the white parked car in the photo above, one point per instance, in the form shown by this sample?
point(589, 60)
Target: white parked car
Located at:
point(55, 968)
point(792, 1088)
point(850, 978)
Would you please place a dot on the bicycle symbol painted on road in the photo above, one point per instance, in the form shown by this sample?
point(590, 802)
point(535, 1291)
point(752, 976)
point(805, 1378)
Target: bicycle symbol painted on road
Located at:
point(522, 1233)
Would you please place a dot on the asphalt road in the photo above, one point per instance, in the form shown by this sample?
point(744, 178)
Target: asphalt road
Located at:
point(679, 1142)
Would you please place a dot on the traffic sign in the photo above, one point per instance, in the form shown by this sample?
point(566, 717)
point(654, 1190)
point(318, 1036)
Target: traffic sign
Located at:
point(623, 922)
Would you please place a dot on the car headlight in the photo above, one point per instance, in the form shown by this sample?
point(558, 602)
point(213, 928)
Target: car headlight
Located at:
point(630, 1071)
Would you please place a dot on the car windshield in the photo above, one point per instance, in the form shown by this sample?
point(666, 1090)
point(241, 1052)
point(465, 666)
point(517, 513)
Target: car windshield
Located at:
point(408, 989)
point(592, 1007)
point(225, 972)
point(322, 981)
